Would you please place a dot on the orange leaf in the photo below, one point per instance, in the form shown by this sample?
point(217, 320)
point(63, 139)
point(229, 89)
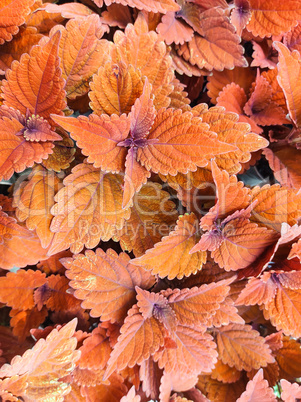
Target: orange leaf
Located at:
point(23, 321)
point(95, 351)
point(22, 43)
point(288, 359)
point(283, 310)
point(239, 75)
point(33, 200)
point(242, 347)
point(217, 38)
point(220, 392)
point(62, 153)
point(195, 352)
point(18, 246)
point(79, 65)
point(233, 98)
point(89, 208)
point(179, 142)
point(258, 388)
point(16, 289)
point(139, 339)
point(257, 291)
point(98, 136)
point(240, 15)
point(69, 10)
point(289, 73)
point(199, 304)
point(156, 6)
point(284, 161)
point(12, 15)
point(173, 30)
point(153, 214)
point(275, 205)
point(105, 393)
point(46, 364)
point(16, 152)
point(226, 374)
point(171, 256)
point(231, 196)
point(116, 15)
point(58, 299)
point(145, 51)
point(35, 83)
point(230, 131)
point(114, 278)
point(156, 305)
point(273, 18)
point(260, 106)
point(115, 88)
point(227, 313)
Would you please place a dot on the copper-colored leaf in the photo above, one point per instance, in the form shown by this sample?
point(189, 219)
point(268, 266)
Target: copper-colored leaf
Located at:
point(180, 142)
point(33, 200)
point(35, 83)
point(260, 106)
point(171, 256)
point(239, 75)
point(288, 359)
point(16, 152)
point(218, 48)
point(258, 389)
point(173, 30)
point(195, 352)
point(45, 364)
point(257, 291)
point(98, 137)
point(115, 88)
point(16, 289)
point(226, 374)
point(156, 6)
point(103, 392)
point(12, 15)
point(240, 346)
point(273, 18)
point(153, 215)
point(221, 392)
point(231, 196)
point(288, 77)
point(89, 208)
point(131, 396)
point(139, 339)
point(284, 161)
point(18, 246)
point(95, 351)
point(80, 58)
point(198, 305)
point(22, 43)
point(114, 278)
point(230, 131)
point(69, 10)
point(145, 51)
point(275, 205)
point(23, 321)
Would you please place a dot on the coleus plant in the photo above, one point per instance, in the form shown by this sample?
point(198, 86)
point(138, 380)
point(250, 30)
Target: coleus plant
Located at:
point(138, 260)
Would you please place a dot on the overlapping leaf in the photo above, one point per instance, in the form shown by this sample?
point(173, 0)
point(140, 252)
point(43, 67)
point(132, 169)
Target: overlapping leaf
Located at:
point(198, 305)
point(216, 36)
point(16, 152)
point(19, 246)
point(35, 83)
point(114, 278)
point(89, 208)
point(273, 18)
point(288, 77)
point(45, 364)
point(17, 289)
point(240, 346)
point(171, 256)
point(139, 339)
point(33, 201)
point(153, 215)
point(195, 352)
point(12, 15)
point(258, 388)
point(80, 58)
